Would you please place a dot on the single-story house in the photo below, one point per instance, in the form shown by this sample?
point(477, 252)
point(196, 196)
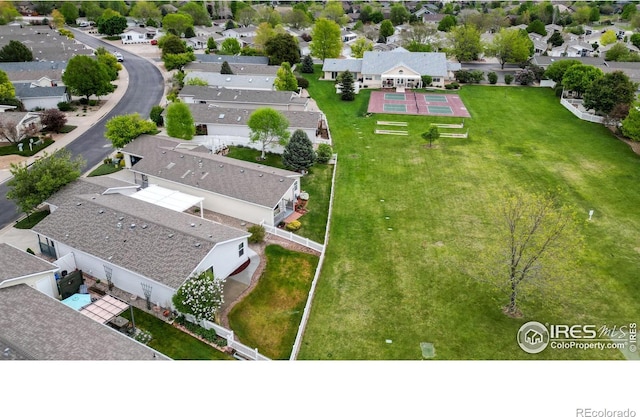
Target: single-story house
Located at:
point(397, 68)
point(237, 69)
point(348, 36)
point(16, 124)
point(143, 243)
point(251, 192)
point(20, 267)
point(34, 96)
point(241, 32)
point(233, 59)
point(34, 71)
point(137, 35)
point(572, 49)
point(243, 99)
point(37, 327)
point(240, 82)
point(198, 42)
point(229, 125)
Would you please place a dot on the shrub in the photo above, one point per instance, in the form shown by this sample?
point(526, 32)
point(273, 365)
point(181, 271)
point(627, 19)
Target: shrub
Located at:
point(93, 102)
point(156, 115)
point(65, 106)
point(492, 77)
point(106, 161)
point(293, 226)
point(29, 250)
point(324, 153)
point(257, 234)
point(508, 79)
point(302, 82)
point(84, 101)
point(452, 86)
point(426, 80)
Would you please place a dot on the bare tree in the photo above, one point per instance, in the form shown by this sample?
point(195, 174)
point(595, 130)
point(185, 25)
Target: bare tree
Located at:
point(12, 132)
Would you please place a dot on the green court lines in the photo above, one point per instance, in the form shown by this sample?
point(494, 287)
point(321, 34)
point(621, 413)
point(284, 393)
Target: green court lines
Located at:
point(394, 96)
point(395, 107)
point(441, 99)
point(440, 109)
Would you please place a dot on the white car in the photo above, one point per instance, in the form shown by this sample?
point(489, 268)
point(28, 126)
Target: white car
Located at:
point(118, 56)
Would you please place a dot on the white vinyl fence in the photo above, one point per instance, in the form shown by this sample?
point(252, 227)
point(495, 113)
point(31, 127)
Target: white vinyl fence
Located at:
point(293, 237)
point(574, 107)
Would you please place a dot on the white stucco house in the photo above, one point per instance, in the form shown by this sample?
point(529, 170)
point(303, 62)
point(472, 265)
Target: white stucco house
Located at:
point(137, 35)
point(251, 192)
point(243, 99)
point(242, 82)
point(397, 68)
point(241, 32)
point(37, 96)
point(143, 243)
point(19, 267)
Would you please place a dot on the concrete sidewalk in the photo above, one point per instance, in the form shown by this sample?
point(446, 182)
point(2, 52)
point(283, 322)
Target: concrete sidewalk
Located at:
point(83, 123)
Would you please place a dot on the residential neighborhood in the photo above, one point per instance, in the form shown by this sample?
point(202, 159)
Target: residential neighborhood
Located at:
point(319, 181)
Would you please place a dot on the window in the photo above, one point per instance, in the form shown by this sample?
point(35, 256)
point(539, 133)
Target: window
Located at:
point(241, 249)
point(334, 74)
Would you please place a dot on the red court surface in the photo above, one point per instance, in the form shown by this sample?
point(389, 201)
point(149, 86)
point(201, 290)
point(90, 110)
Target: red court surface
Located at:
point(431, 104)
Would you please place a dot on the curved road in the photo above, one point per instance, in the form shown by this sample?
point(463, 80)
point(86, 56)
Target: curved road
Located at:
point(145, 89)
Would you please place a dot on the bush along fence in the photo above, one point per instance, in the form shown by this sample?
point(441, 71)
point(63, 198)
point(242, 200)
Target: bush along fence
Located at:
point(314, 283)
point(239, 350)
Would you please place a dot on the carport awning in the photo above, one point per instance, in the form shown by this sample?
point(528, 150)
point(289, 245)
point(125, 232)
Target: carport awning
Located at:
point(171, 199)
point(105, 309)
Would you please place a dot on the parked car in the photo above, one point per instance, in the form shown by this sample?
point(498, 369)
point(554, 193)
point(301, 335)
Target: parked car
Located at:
point(154, 41)
point(118, 56)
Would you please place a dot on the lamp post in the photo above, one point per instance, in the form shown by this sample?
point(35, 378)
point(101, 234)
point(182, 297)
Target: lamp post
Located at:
point(147, 288)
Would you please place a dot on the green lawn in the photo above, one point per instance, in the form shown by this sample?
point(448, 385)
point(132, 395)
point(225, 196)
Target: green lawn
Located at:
point(317, 183)
point(269, 317)
point(105, 169)
point(13, 148)
point(172, 342)
point(31, 220)
point(415, 283)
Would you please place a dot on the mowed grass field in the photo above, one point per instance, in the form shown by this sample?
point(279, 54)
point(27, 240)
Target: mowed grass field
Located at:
point(415, 283)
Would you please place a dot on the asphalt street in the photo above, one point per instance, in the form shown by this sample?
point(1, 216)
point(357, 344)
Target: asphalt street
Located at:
point(145, 89)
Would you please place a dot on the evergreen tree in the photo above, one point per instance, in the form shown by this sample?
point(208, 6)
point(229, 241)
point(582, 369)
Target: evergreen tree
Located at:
point(346, 86)
point(15, 51)
point(225, 69)
point(307, 64)
point(298, 155)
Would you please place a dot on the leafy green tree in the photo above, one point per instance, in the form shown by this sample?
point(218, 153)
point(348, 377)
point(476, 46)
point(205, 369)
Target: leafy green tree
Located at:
point(172, 44)
point(91, 10)
point(201, 296)
point(285, 80)
point(447, 23)
point(360, 46)
point(556, 39)
point(197, 81)
point(556, 70)
point(525, 77)
point(269, 15)
point(620, 52)
point(386, 29)
point(178, 61)
point(122, 129)
point(268, 126)
point(324, 153)
point(399, 14)
point(466, 45)
point(109, 62)
point(85, 76)
point(225, 68)
point(198, 13)
point(628, 11)
point(7, 90)
point(578, 78)
point(631, 124)
point(582, 15)
point(70, 12)
point(538, 242)
point(333, 11)
point(635, 40)
point(56, 18)
point(537, 27)
point(53, 120)
point(298, 154)
point(594, 16)
point(15, 51)
point(229, 25)
point(431, 135)
point(156, 115)
point(30, 186)
point(510, 46)
point(113, 25)
point(230, 46)
point(118, 6)
point(414, 46)
point(177, 23)
point(326, 41)
point(282, 48)
point(179, 121)
point(145, 10)
point(346, 86)
point(189, 32)
point(211, 44)
point(307, 65)
point(607, 91)
point(608, 38)
point(297, 19)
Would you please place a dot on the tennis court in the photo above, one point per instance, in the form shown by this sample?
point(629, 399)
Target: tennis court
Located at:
point(417, 103)
point(395, 108)
point(395, 96)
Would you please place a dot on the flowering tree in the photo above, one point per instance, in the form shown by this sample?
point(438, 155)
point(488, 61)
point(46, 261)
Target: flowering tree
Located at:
point(201, 296)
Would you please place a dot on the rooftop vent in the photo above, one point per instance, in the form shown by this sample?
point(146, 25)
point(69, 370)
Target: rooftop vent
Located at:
point(78, 204)
point(197, 245)
point(281, 180)
point(228, 79)
point(119, 225)
point(132, 225)
point(239, 117)
point(170, 235)
point(242, 170)
point(144, 226)
point(250, 80)
point(186, 173)
point(260, 175)
point(181, 156)
point(204, 175)
point(121, 218)
point(164, 152)
point(193, 225)
point(221, 165)
point(221, 116)
point(171, 165)
point(100, 211)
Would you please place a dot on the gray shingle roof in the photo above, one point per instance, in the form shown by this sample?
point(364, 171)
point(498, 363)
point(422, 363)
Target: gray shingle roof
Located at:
point(32, 66)
point(43, 328)
point(15, 263)
point(264, 82)
point(258, 184)
point(238, 69)
point(425, 63)
point(233, 59)
point(205, 113)
point(339, 65)
point(227, 95)
point(88, 185)
point(162, 245)
point(24, 90)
